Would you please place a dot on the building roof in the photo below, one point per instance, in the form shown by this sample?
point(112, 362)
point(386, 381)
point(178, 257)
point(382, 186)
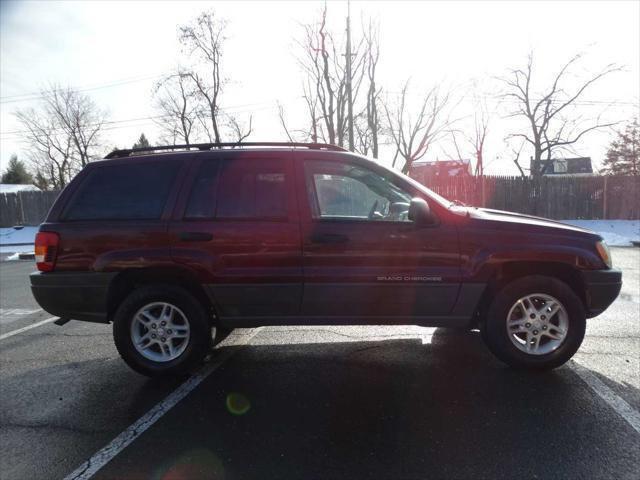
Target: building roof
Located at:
point(559, 166)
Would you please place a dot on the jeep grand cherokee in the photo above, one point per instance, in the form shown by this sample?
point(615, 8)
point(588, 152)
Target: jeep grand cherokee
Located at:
point(173, 244)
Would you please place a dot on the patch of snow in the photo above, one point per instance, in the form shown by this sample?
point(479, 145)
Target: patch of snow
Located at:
point(617, 233)
point(16, 248)
point(11, 235)
point(13, 188)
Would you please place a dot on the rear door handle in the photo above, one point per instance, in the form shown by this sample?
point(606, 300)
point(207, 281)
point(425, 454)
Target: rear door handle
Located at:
point(195, 236)
point(329, 238)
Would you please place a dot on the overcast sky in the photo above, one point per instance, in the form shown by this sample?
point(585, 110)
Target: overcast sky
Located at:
point(115, 51)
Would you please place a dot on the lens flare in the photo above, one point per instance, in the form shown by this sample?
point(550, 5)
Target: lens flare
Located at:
point(238, 404)
point(199, 463)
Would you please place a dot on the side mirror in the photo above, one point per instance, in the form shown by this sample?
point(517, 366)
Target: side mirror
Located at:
point(420, 213)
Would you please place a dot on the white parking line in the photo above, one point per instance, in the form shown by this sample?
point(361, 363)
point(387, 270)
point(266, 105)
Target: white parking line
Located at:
point(113, 448)
point(28, 327)
point(623, 409)
point(10, 315)
point(18, 311)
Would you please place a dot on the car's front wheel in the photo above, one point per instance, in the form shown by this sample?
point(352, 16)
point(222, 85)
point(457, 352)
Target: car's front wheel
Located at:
point(161, 330)
point(535, 322)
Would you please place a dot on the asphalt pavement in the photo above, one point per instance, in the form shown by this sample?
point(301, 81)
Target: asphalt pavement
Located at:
point(317, 402)
point(16, 302)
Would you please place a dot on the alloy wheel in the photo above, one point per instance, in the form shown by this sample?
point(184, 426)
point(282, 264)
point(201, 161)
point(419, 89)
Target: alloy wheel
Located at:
point(160, 332)
point(537, 324)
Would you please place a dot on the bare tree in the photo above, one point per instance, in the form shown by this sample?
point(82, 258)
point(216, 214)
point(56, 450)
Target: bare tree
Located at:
point(364, 140)
point(456, 145)
point(62, 134)
point(326, 92)
point(205, 39)
point(413, 133)
point(175, 98)
point(326, 89)
point(473, 137)
point(79, 117)
point(283, 122)
point(315, 127)
point(372, 54)
point(239, 131)
point(516, 157)
point(547, 110)
point(479, 135)
point(50, 148)
point(299, 135)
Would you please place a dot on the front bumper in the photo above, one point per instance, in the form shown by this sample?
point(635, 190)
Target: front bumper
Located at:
point(73, 295)
point(602, 288)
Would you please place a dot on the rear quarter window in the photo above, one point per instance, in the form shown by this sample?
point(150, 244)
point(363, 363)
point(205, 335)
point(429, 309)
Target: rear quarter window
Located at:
point(123, 192)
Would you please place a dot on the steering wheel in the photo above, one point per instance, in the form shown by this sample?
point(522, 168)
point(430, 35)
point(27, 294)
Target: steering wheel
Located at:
point(372, 212)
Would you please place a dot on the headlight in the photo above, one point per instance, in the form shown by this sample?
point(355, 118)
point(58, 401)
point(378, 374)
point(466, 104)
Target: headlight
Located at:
point(603, 251)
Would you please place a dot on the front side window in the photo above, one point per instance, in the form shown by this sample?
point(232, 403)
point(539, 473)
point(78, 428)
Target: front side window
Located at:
point(124, 192)
point(341, 191)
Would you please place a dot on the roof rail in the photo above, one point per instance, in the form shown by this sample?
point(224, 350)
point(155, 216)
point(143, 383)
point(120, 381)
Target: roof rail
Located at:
point(212, 146)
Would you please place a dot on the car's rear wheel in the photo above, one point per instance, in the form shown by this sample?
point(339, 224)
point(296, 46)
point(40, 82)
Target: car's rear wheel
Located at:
point(162, 330)
point(535, 322)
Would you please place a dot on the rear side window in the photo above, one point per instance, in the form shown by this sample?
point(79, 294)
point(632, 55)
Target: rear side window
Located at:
point(239, 189)
point(124, 192)
point(271, 195)
point(203, 193)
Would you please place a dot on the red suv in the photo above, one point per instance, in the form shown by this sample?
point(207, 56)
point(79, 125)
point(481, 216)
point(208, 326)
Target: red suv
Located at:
point(172, 244)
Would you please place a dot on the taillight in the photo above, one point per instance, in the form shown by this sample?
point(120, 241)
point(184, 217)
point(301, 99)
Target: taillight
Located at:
point(603, 251)
point(46, 250)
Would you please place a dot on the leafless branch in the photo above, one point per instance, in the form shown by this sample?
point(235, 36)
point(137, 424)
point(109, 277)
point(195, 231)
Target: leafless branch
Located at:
point(413, 133)
point(323, 63)
point(550, 131)
point(240, 132)
point(204, 39)
point(62, 133)
point(175, 98)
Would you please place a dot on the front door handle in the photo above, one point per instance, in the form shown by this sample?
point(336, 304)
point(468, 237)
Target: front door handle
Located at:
point(195, 236)
point(329, 238)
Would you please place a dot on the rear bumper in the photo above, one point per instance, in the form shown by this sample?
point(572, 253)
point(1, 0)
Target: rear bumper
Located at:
point(74, 295)
point(602, 288)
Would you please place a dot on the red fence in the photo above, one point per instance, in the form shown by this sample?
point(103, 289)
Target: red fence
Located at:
point(561, 198)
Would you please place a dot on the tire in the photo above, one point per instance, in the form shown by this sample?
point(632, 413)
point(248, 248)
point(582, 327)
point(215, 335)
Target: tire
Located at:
point(527, 321)
point(184, 311)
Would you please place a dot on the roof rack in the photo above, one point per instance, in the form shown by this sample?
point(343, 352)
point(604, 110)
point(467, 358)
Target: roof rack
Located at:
point(212, 146)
